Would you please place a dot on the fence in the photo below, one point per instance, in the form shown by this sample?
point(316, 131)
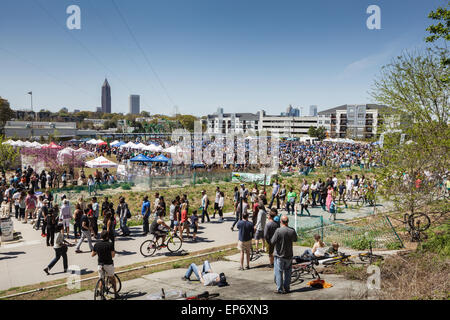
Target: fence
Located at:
point(163, 181)
point(356, 234)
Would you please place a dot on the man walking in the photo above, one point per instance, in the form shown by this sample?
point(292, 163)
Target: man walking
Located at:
point(205, 204)
point(85, 232)
point(275, 191)
point(145, 211)
point(283, 239)
point(95, 212)
point(122, 212)
point(269, 230)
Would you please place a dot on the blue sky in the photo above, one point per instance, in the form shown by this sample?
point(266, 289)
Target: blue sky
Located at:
point(241, 55)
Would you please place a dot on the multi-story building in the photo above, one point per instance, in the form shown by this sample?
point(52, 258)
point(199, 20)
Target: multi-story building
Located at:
point(106, 97)
point(135, 107)
point(352, 121)
point(289, 126)
point(34, 130)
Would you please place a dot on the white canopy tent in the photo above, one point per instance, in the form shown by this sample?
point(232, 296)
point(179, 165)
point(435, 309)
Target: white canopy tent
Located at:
point(101, 162)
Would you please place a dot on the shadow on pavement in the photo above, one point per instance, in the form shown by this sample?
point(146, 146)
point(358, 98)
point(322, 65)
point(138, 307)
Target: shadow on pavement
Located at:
point(126, 253)
point(132, 294)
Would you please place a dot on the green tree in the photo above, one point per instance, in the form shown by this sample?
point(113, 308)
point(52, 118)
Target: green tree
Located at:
point(441, 29)
point(6, 113)
point(7, 154)
point(320, 132)
point(414, 86)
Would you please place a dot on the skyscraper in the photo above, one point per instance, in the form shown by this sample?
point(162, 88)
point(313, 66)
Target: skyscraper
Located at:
point(106, 97)
point(135, 107)
point(313, 111)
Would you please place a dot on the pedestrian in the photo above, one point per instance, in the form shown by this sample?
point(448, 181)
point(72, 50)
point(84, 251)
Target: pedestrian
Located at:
point(291, 196)
point(216, 202)
point(109, 224)
point(205, 204)
point(184, 223)
point(78, 213)
point(60, 248)
point(65, 216)
point(123, 213)
point(145, 211)
point(304, 204)
point(246, 231)
point(275, 193)
point(52, 221)
point(283, 239)
point(269, 230)
point(95, 215)
point(194, 225)
point(259, 227)
point(30, 205)
point(85, 232)
point(221, 205)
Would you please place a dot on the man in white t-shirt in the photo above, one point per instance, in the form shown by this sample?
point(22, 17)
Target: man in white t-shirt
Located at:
point(207, 277)
point(350, 183)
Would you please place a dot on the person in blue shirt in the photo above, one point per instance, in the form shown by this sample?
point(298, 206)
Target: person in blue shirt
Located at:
point(145, 214)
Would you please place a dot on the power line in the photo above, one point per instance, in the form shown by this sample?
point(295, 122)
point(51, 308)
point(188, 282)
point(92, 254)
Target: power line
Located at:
point(114, 36)
point(142, 51)
point(99, 61)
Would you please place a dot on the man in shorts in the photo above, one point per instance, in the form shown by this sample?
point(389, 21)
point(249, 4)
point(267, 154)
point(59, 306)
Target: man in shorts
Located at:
point(65, 216)
point(104, 250)
point(246, 231)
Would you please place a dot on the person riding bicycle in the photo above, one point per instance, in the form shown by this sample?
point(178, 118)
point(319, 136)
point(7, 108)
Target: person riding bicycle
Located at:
point(159, 229)
point(105, 251)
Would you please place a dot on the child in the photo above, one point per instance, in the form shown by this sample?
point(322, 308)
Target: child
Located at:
point(333, 209)
point(194, 225)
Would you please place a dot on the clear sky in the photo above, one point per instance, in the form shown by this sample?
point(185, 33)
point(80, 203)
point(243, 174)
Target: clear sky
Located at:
point(241, 55)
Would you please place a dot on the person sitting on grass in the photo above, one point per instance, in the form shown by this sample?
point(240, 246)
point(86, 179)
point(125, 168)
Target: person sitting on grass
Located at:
point(334, 249)
point(159, 229)
point(207, 276)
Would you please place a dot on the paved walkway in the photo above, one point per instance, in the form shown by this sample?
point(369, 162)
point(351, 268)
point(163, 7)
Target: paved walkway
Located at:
point(255, 284)
point(22, 263)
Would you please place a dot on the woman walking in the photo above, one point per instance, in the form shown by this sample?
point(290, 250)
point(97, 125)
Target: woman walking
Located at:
point(60, 247)
point(330, 196)
point(109, 224)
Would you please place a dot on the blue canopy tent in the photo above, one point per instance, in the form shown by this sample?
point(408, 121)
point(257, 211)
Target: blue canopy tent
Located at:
point(141, 158)
point(160, 158)
point(118, 144)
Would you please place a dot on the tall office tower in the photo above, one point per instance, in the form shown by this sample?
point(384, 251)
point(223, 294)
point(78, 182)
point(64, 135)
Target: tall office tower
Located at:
point(106, 97)
point(135, 107)
point(313, 111)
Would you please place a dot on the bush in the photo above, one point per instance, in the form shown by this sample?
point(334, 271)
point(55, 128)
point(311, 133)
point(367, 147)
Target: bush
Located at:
point(126, 186)
point(438, 241)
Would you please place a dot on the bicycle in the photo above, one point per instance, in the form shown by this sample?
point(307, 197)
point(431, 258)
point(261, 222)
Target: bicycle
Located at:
point(339, 258)
point(304, 268)
point(416, 223)
point(369, 256)
point(172, 242)
point(107, 286)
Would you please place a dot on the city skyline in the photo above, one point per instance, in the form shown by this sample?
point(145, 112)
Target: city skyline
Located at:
point(271, 56)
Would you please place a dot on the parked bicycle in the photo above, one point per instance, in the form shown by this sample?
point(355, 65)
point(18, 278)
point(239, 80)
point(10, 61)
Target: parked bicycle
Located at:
point(369, 256)
point(104, 286)
point(302, 268)
point(340, 258)
point(173, 243)
point(416, 224)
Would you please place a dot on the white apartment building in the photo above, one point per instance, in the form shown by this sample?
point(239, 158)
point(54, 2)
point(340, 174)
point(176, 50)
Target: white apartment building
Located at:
point(351, 121)
point(286, 126)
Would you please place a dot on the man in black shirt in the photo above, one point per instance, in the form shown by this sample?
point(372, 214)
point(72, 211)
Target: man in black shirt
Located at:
point(85, 232)
point(104, 250)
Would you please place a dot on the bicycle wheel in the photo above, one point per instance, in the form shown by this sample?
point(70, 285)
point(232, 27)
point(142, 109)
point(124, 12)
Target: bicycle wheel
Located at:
point(375, 257)
point(99, 294)
point(174, 244)
point(109, 287)
point(148, 248)
point(333, 261)
point(295, 276)
point(419, 221)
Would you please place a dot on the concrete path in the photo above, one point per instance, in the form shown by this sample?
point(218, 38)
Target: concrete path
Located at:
point(255, 284)
point(22, 263)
